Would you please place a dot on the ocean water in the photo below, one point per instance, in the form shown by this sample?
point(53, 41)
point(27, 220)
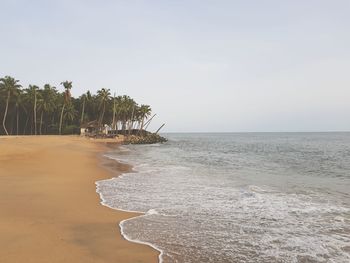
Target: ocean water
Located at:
point(250, 197)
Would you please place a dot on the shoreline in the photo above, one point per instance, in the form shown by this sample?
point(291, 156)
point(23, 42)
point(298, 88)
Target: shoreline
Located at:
point(107, 163)
point(50, 208)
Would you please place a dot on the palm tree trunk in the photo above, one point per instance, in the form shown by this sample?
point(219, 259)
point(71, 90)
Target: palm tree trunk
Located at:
point(17, 120)
point(5, 114)
point(132, 117)
point(143, 120)
point(124, 126)
point(103, 113)
point(149, 121)
point(113, 120)
point(82, 113)
point(35, 112)
point(41, 121)
point(31, 125)
point(25, 126)
point(160, 128)
point(12, 120)
point(61, 119)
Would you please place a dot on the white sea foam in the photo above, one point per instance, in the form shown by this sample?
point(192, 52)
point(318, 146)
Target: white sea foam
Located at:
point(123, 149)
point(240, 202)
point(161, 252)
point(152, 211)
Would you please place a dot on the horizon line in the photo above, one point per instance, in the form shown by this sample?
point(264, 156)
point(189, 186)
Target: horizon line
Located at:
point(335, 131)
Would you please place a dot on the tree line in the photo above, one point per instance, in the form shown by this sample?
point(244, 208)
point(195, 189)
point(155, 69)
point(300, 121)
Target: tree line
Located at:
point(44, 110)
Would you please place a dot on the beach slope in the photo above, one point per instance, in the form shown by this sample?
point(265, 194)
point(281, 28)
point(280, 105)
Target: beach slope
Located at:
point(49, 208)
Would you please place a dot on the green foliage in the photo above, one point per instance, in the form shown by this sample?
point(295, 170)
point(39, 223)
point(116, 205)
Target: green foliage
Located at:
point(71, 129)
point(45, 110)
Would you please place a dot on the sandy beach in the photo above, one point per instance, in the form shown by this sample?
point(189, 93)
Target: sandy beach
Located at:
point(49, 208)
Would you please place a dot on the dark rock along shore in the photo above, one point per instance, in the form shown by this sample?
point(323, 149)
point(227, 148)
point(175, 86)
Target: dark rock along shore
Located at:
point(150, 138)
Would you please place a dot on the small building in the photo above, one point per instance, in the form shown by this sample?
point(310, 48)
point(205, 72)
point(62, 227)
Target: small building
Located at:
point(89, 128)
point(107, 129)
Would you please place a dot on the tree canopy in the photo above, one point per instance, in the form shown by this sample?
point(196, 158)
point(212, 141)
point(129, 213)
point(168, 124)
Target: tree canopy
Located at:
point(46, 110)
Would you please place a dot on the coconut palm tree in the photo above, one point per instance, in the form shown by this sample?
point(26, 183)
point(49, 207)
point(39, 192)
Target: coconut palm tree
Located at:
point(118, 111)
point(133, 117)
point(126, 111)
point(66, 100)
point(114, 112)
point(144, 112)
point(10, 86)
point(32, 91)
point(70, 112)
point(46, 102)
point(46, 111)
point(103, 96)
point(90, 106)
point(18, 104)
point(85, 98)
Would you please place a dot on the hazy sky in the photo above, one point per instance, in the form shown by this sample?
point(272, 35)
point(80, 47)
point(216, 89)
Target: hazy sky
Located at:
point(202, 65)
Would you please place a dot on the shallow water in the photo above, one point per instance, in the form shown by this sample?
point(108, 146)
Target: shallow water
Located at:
point(269, 197)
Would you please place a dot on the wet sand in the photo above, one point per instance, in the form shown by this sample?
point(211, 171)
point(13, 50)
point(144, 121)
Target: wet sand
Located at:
point(49, 208)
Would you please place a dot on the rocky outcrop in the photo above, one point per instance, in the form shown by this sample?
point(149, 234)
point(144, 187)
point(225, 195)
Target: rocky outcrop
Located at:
point(150, 138)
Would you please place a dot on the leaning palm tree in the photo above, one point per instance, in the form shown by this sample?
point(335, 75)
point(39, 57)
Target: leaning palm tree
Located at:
point(66, 100)
point(103, 97)
point(10, 86)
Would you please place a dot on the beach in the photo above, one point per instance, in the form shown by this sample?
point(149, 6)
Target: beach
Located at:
point(49, 208)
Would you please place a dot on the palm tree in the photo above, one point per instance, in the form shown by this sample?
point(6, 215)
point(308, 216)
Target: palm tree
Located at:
point(126, 110)
point(103, 97)
point(86, 97)
point(32, 92)
point(114, 113)
point(89, 106)
point(144, 111)
point(46, 102)
point(117, 111)
point(18, 104)
point(70, 112)
point(132, 118)
point(10, 86)
point(46, 111)
point(66, 100)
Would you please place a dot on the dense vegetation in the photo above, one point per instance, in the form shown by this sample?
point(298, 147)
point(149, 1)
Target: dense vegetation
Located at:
point(44, 110)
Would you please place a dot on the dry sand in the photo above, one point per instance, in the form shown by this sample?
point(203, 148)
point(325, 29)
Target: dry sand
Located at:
point(49, 208)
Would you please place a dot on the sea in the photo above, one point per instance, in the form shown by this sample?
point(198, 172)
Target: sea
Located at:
point(237, 197)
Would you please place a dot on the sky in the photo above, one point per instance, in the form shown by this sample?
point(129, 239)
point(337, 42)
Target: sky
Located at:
point(203, 66)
